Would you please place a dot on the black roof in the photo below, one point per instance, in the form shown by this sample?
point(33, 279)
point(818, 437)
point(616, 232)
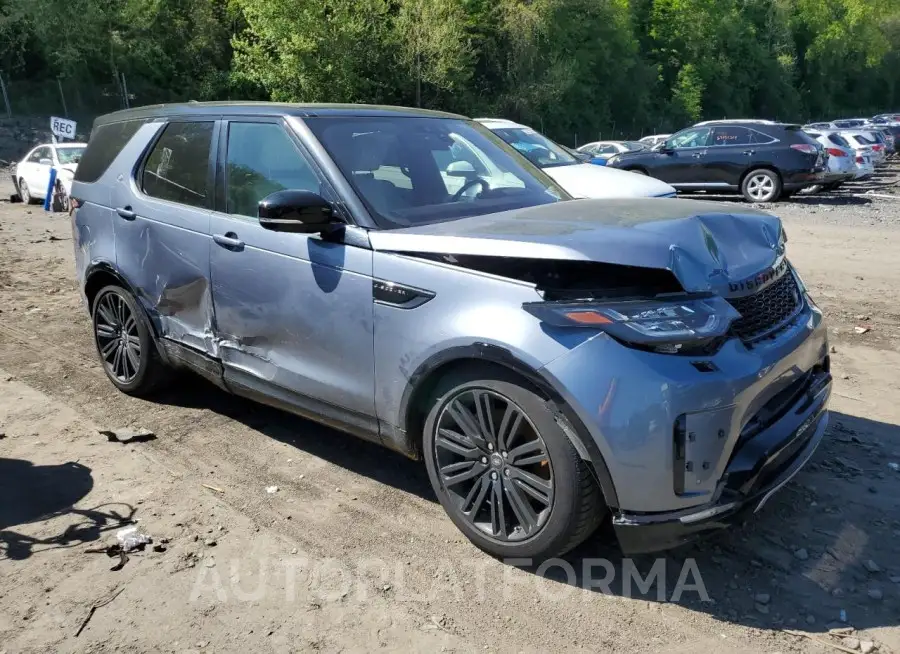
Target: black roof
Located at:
point(267, 109)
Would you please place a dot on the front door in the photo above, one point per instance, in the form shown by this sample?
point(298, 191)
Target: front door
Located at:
point(681, 162)
point(294, 312)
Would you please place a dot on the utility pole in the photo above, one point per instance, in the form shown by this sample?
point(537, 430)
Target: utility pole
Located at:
point(5, 97)
point(63, 96)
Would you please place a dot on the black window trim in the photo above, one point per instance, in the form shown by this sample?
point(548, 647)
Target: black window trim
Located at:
point(138, 171)
point(220, 205)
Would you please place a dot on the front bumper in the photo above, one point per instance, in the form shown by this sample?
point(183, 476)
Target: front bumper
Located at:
point(757, 470)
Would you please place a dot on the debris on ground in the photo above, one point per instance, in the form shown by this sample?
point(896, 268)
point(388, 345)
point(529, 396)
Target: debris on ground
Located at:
point(860, 330)
point(96, 605)
point(128, 435)
point(271, 490)
point(132, 538)
point(871, 566)
point(213, 488)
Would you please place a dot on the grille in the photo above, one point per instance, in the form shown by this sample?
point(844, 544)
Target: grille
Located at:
point(766, 311)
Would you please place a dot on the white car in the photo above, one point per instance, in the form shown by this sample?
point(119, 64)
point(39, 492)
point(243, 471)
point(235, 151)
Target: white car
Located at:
point(578, 178)
point(32, 174)
point(607, 149)
point(654, 139)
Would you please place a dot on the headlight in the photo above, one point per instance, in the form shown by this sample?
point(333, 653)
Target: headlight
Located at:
point(663, 324)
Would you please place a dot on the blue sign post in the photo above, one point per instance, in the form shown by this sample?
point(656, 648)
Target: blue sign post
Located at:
point(48, 198)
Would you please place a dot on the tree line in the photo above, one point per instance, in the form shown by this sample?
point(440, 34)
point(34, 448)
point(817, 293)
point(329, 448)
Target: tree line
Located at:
point(576, 69)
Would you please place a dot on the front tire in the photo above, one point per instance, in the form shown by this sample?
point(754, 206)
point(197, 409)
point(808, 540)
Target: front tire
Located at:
point(125, 343)
point(504, 470)
point(761, 185)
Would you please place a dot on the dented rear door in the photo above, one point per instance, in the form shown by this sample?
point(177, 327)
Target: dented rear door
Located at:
point(161, 215)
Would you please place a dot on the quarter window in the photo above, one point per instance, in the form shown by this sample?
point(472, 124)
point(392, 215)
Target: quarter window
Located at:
point(261, 160)
point(730, 136)
point(177, 169)
point(104, 146)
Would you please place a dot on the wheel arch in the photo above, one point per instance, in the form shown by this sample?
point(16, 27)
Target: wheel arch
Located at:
point(421, 384)
point(101, 274)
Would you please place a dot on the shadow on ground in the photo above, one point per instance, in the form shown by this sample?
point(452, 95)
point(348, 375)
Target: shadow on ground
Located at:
point(31, 493)
point(841, 509)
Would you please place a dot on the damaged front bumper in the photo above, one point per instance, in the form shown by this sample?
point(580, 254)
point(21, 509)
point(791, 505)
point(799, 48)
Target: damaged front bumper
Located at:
point(759, 467)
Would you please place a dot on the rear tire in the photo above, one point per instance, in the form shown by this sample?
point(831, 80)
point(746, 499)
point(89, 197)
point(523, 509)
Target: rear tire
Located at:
point(125, 343)
point(517, 486)
point(25, 192)
point(761, 185)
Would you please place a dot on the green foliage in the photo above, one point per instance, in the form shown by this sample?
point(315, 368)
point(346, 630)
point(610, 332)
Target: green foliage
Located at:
point(577, 69)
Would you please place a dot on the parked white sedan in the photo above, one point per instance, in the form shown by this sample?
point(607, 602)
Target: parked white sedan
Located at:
point(32, 174)
point(578, 178)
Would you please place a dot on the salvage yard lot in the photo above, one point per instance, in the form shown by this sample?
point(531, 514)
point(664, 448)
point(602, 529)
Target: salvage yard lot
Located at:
point(244, 569)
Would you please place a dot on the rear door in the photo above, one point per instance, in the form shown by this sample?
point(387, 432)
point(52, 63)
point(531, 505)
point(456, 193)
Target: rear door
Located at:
point(729, 154)
point(162, 230)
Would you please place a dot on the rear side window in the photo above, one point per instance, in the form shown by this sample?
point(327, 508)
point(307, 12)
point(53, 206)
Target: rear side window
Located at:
point(177, 168)
point(730, 136)
point(105, 143)
point(837, 139)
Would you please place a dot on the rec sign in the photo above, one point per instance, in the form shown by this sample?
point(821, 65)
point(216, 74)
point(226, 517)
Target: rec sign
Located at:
point(62, 128)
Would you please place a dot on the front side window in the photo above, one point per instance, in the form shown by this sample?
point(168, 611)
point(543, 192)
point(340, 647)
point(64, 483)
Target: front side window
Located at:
point(730, 136)
point(177, 169)
point(261, 160)
point(535, 147)
point(690, 138)
point(412, 170)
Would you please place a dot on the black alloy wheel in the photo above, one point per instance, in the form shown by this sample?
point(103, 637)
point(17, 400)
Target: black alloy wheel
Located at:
point(504, 468)
point(117, 338)
point(125, 342)
point(494, 464)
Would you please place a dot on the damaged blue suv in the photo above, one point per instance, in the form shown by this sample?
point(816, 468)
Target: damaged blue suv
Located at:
point(407, 277)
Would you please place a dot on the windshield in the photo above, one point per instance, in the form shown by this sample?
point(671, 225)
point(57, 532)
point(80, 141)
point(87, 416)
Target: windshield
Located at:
point(537, 148)
point(412, 171)
point(69, 155)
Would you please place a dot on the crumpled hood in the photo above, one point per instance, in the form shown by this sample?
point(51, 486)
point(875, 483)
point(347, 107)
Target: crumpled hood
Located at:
point(706, 245)
point(591, 181)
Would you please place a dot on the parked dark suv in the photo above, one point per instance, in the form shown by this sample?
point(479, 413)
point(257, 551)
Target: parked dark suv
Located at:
point(762, 160)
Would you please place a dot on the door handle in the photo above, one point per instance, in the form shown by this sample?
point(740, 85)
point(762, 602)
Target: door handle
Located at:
point(229, 241)
point(749, 153)
point(126, 213)
point(697, 155)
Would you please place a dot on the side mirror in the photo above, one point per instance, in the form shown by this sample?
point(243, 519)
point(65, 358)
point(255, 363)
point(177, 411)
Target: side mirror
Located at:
point(299, 212)
point(460, 169)
point(46, 162)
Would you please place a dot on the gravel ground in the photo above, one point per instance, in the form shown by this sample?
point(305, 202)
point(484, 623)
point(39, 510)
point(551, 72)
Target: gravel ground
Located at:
point(243, 569)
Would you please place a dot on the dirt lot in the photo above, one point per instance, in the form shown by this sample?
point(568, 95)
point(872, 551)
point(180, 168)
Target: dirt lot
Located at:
point(352, 552)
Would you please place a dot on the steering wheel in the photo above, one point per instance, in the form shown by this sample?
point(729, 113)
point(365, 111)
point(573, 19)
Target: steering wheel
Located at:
point(465, 187)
